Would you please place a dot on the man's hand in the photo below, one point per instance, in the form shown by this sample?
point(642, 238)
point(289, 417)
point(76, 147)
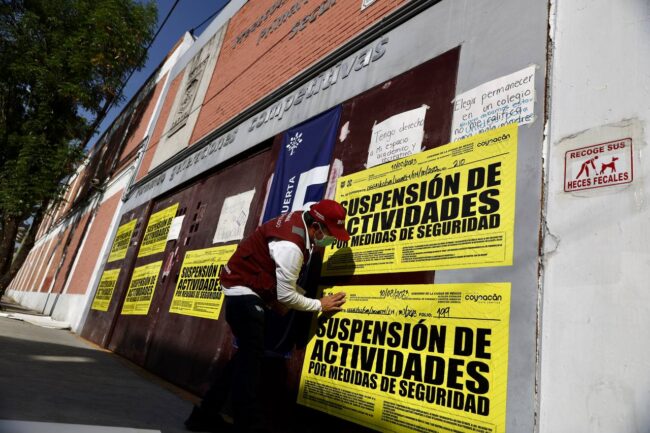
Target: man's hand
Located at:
point(332, 303)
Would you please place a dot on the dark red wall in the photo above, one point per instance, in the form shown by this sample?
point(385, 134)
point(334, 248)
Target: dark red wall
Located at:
point(191, 351)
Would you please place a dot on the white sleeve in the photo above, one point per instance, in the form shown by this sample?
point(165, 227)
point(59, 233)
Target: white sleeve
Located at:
point(288, 261)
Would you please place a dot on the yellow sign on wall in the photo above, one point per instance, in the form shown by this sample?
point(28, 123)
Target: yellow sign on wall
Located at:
point(105, 290)
point(141, 289)
point(122, 241)
point(447, 208)
point(416, 358)
point(198, 291)
point(155, 236)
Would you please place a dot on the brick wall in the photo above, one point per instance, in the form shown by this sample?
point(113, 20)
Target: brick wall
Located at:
point(38, 264)
point(27, 270)
point(252, 65)
point(89, 255)
point(139, 130)
point(71, 194)
point(49, 269)
point(70, 253)
point(160, 125)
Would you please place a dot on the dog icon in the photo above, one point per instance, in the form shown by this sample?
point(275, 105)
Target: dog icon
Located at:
point(611, 165)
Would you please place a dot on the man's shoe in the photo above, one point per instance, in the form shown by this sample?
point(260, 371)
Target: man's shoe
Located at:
point(201, 421)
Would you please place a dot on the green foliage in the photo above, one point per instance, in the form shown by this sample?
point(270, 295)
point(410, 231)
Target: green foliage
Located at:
point(59, 59)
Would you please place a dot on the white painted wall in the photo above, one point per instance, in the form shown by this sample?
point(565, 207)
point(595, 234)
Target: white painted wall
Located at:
point(169, 145)
point(595, 348)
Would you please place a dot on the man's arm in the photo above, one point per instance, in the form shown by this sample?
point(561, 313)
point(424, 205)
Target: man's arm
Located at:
point(288, 262)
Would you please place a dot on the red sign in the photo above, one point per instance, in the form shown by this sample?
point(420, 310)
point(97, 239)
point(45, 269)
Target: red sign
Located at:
point(600, 165)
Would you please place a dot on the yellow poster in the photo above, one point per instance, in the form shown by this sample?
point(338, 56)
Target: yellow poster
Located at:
point(198, 291)
point(140, 292)
point(122, 241)
point(105, 290)
point(447, 208)
point(155, 237)
point(413, 358)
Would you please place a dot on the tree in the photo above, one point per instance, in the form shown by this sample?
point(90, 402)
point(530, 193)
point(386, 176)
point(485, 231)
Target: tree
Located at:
point(63, 63)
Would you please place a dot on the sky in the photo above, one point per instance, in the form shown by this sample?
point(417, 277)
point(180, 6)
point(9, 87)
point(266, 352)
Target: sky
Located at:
point(186, 15)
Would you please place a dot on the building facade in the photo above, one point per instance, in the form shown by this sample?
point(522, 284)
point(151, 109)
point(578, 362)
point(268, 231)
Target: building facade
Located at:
point(491, 161)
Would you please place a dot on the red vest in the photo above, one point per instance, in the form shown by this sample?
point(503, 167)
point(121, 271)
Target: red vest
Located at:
point(252, 266)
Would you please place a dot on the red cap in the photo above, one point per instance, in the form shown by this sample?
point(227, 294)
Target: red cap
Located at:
point(332, 214)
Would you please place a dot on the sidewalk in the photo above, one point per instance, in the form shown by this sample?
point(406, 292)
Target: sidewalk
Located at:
point(53, 376)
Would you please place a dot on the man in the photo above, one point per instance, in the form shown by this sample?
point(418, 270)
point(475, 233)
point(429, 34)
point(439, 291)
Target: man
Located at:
point(261, 274)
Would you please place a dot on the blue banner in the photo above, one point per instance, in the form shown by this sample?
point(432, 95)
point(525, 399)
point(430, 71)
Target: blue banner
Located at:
point(303, 166)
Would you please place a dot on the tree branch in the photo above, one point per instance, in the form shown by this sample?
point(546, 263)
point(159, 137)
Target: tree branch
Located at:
point(10, 226)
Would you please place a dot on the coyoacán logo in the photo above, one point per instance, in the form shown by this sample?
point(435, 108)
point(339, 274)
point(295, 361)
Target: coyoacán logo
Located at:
point(484, 298)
